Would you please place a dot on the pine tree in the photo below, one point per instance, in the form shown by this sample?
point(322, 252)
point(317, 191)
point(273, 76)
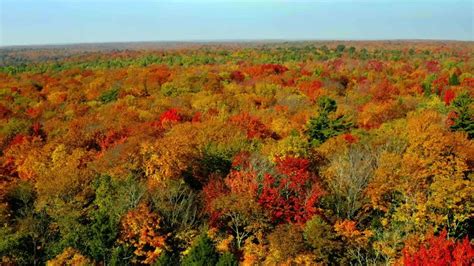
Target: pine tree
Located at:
point(202, 253)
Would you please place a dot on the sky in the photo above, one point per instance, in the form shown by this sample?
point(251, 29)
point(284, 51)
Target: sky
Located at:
point(28, 22)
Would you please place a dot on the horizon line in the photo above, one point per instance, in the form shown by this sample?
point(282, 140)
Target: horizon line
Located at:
point(225, 41)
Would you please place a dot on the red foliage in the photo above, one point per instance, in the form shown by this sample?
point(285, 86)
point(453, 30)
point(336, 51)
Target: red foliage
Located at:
point(213, 189)
point(336, 64)
point(281, 108)
point(449, 96)
point(33, 112)
point(468, 82)
point(170, 117)
point(197, 117)
point(4, 112)
point(451, 120)
point(159, 74)
point(18, 140)
point(274, 68)
point(440, 83)
point(305, 72)
point(36, 128)
point(384, 91)
point(432, 66)
point(111, 138)
point(290, 196)
point(252, 125)
point(440, 251)
point(241, 160)
point(311, 89)
point(266, 69)
point(237, 76)
point(349, 138)
point(375, 65)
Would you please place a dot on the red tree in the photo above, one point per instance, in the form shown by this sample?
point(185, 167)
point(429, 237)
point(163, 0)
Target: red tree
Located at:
point(440, 251)
point(449, 96)
point(291, 195)
point(252, 125)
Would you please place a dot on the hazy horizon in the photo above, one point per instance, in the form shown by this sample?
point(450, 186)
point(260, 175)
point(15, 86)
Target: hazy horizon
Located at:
point(66, 22)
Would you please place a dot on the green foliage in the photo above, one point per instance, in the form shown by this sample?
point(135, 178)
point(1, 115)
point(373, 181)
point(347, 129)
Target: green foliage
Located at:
point(397, 176)
point(454, 80)
point(109, 95)
point(323, 127)
point(203, 253)
point(323, 240)
point(227, 259)
point(14, 127)
point(426, 85)
point(27, 240)
point(112, 199)
point(463, 106)
point(340, 48)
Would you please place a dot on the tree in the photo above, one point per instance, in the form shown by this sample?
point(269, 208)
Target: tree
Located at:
point(109, 95)
point(440, 250)
point(141, 230)
point(321, 237)
point(463, 119)
point(252, 125)
point(232, 203)
point(113, 198)
point(202, 253)
point(428, 179)
point(322, 127)
point(292, 193)
point(70, 256)
point(340, 48)
point(285, 243)
point(347, 174)
point(227, 259)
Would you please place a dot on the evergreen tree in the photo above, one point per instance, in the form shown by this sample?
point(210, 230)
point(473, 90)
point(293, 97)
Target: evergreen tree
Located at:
point(323, 127)
point(202, 253)
point(465, 115)
point(227, 259)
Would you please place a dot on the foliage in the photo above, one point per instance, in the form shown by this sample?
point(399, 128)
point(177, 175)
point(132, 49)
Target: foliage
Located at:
point(141, 230)
point(463, 118)
point(440, 250)
point(322, 127)
point(202, 253)
point(287, 153)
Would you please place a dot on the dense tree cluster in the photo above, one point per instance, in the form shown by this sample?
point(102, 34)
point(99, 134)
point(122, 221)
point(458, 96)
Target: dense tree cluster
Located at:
point(252, 154)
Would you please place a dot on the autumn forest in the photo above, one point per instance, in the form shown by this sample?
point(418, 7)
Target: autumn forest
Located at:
point(283, 153)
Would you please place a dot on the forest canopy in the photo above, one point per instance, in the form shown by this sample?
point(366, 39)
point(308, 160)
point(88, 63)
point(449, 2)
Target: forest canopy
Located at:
point(291, 153)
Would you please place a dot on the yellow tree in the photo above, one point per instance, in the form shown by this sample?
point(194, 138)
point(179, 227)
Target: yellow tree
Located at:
point(141, 230)
point(429, 179)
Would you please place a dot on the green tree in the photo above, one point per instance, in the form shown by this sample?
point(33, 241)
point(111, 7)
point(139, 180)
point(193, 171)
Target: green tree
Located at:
point(464, 120)
point(323, 127)
point(227, 259)
point(203, 253)
point(112, 199)
point(454, 80)
point(109, 95)
point(340, 48)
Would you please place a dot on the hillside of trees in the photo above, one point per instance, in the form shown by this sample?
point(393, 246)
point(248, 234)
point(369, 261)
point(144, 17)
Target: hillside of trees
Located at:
point(329, 153)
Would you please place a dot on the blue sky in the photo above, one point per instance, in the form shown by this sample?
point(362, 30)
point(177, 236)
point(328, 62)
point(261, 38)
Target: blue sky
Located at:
point(26, 22)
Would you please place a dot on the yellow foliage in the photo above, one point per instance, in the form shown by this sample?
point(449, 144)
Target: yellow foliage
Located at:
point(291, 146)
point(140, 229)
point(69, 256)
point(429, 175)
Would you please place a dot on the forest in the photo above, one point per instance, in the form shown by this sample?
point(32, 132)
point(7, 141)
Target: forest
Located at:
point(284, 153)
